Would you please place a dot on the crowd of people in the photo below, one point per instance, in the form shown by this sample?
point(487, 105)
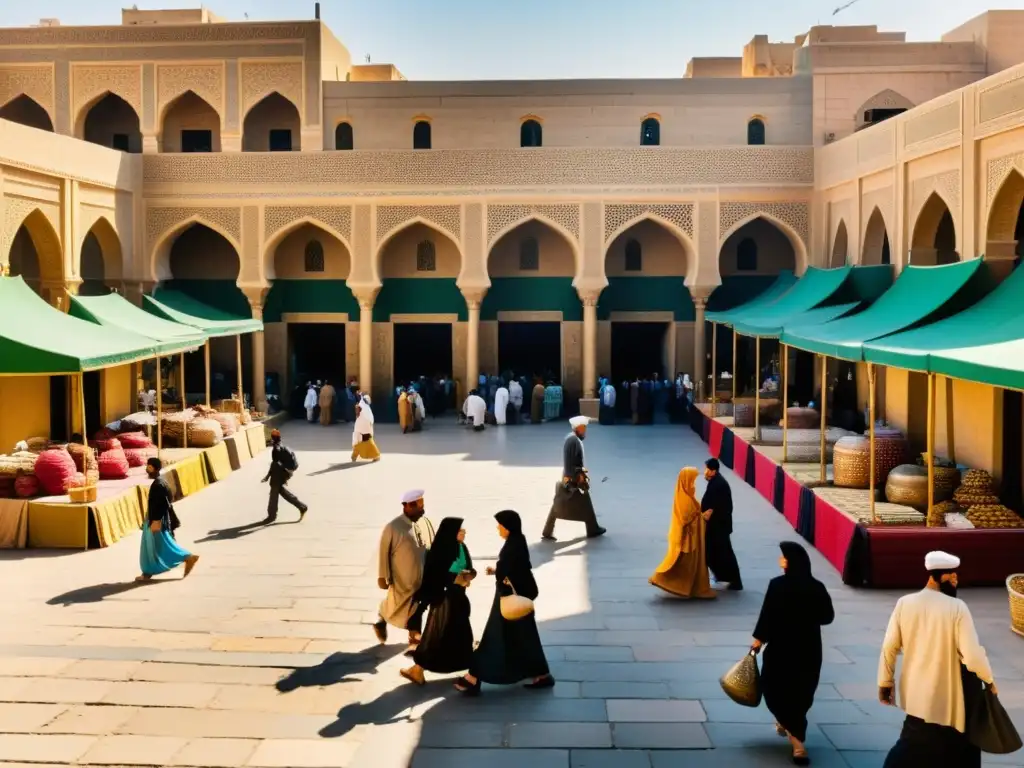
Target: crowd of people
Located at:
point(646, 400)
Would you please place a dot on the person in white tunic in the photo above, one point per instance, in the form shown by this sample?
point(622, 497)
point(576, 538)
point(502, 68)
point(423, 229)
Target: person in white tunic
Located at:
point(403, 549)
point(310, 402)
point(935, 632)
point(515, 394)
point(475, 410)
point(363, 445)
point(500, 405)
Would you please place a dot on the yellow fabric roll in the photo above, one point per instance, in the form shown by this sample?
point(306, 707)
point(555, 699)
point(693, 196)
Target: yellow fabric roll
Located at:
point(191, 475)
point(58, 526)
point(218, 462)
point(117, 517)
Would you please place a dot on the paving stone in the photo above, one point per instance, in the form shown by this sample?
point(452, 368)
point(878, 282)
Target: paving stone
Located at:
point(195, 723)
point(464, 735)
point(491, 758)
point(777, 755)
point(753, 736)
point(862, 737)
point(260, 644)
point(195, 673)
point(102, 669)
point(216, 753)
point(624, 691)
point(301, 753)
point(867, 759)
point(133, 750)
point(609, 758)
point(27, 718)
point(149, 694)
point(91, 720)
point(36, 748)
point(63, 691)
point(596, 653)
point(559, 735)
point(655, 711)
point(31, 666)
point(660, 736)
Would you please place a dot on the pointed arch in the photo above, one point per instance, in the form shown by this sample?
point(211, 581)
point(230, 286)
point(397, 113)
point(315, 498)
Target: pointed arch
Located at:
point(25, 110)
point(272, 114)
point(506, 247)
point(672, 228)
point(548, 221)
point(106, 115)
point(188, 112)
point(839, 256)
point(794, 237)
point(390, 236)
point(110, 252)
point(881, 106)
point(1005, 208)
point(934, 237)
point(277, 239)
point(159, 259)
point(46, 243)
point(876, 245)
point(623, 238)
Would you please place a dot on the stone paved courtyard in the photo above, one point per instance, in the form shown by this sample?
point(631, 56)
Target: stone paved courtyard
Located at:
point(264, 656)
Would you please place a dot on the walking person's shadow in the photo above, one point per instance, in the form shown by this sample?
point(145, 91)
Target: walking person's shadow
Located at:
point(338, 668)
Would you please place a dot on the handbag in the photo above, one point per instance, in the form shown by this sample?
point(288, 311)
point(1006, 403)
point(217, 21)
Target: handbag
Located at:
point(742, 683)
point(515, 607)
point(989, 727)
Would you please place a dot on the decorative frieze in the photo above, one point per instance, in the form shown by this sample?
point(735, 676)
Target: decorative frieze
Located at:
point(259, 79)
point(502, 218)
point(447, 218)
point(205, 80)
point(34, 82)
point(796, 216)
point(160, 221)
point(619, 216)
point(335, 218)
point(946, 184)
point(90, 81)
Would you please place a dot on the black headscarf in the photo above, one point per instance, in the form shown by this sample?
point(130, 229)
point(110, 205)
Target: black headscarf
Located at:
point(442, 553)
point(798, 562)
point(515, 545)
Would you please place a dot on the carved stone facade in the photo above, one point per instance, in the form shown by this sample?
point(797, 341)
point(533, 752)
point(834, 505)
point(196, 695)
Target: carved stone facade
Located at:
point(261, 78)
point(617, 217)
point(89, 82)
point(391, 218)
point(502, 218)
point(205, 80)
point(36, 82)
point(336, 219)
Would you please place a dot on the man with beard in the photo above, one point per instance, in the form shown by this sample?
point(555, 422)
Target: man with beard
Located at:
point(403, 549)
point(941, 652)
point(716, 506)
point(572, 493)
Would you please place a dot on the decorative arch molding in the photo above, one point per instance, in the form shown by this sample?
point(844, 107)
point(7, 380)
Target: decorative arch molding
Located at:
point(1004, 208)
point(259, 79)
point(882, 199)
point(887, 99)
point(335, 219)
point(274, 237)
point(998, 170)
point(392, 218)
point(382, 243)
point(36, 82)
point(90, 83)
point(205, 80)
point(100, 225)
point(946, 185)
point(792, 218)
point(502, 219)
point(677, 218)
point(163, 225)
point(42, 222)
point(839, 246)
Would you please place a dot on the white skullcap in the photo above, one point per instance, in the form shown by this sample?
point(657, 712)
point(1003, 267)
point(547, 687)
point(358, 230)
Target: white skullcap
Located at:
point(410, 496)
point(578, 421)
point(941, 561)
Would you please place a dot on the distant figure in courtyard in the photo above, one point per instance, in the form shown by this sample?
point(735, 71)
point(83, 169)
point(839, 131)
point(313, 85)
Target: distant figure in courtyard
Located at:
point(684, 571)
point(537, 403)
point(310, 402)
point(716, 506)
point(688, 386)
point(943, 667)
point(552, 401)
point(572, 493)
point(509, 651)
point(283, 464)
point(607, 395)
point(404, 410)
point(363, 445)
point(418, 410)
point(326, 404)
point(501, 399)
point(350, 401)
point(795, 608)
point(515, 398)
point(403, 547)
point(475, 411)
point(634, 400)
point(446, 644)
point(159, 552)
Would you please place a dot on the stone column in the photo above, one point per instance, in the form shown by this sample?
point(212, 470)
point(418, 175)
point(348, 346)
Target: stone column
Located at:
point(256, 298)
point(700, 372)
point(589, 404)
point(366, 296)
point(474, 298)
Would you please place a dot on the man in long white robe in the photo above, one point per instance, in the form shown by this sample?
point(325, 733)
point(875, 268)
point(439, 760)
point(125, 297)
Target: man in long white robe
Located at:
point(403, 548)
point(515, 394)
point(501, 398)
point(310, 402)
point(475, 410)
point(363, 445)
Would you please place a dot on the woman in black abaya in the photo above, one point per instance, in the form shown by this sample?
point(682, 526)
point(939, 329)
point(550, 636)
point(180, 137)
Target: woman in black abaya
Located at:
point(509, 651)
point(447, 641)
point(795, 608)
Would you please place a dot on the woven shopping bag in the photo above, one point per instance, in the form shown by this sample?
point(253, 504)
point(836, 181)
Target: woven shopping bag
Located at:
point(742, 683)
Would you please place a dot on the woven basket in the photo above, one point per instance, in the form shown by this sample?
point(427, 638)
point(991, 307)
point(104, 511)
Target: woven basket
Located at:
point(851, 459)
point(891, 450)
point(908, 484)
point(1015, 588)
point(85, 495)
point(802, 418)
point(743, 412)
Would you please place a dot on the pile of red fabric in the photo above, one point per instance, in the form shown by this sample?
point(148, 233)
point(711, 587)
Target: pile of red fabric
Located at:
point(134, 440)
point(106, 444)
point(26, 486)
point(55, 468)
point(137, 457)
point(113, 464)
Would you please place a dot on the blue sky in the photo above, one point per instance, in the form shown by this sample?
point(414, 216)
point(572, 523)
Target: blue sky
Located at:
point(503, 39)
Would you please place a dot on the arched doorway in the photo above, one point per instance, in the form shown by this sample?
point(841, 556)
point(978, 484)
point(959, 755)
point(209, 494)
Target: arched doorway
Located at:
point(840, 247)
point(272, 125)
point(934, 238)
point(1006, 220)
point(531, 268)
point(640, 311)
point(26, 111)
point(111, 122)
point(36, 256)
point(421, 304)
point(308, 313)
point(876, 241)
point(750, 260)
point(190, 124)
point(100, 266)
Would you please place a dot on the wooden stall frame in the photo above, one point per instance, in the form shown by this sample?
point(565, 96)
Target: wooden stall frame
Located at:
point(872, 491)
point(735, 368)
point(184, 401)
point(206, 360)
point(930, 443)
point(785, 397)
point(238, 355)
point(714, 370)
point(824, 416)
point(159, 409)
point(757, 386)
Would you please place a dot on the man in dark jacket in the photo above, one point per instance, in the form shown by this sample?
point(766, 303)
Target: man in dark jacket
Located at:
point(282, 465)
point(716, 506)
point(572, 493)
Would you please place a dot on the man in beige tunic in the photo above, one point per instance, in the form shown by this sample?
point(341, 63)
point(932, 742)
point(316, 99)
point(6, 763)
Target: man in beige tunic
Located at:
point(327, 404)
point(403, 548)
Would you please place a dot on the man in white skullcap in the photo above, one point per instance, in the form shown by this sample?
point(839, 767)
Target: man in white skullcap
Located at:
point(572, 493)
point(403, 548)
point(943, 661)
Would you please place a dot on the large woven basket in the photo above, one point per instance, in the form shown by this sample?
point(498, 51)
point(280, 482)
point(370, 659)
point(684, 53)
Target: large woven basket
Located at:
point(851, 460)
point(1015, 589)
point(743, 412)
point(802, 418)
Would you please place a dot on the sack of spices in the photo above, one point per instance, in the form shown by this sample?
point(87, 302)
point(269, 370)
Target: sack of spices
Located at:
point(113, 465)
point(55, 468)
point(134, 440)
point(137, 457)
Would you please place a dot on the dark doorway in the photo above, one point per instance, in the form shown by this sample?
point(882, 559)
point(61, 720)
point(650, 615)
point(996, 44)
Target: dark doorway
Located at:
point(59, 426)
point(317, 352)
point(530, 349)
point(1013, 450)
point(422, 349)
point(93, 412)
point(802, 383)
point(638, 350)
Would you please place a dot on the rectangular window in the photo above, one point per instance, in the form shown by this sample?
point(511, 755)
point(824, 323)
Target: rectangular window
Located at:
point(120, 142)
point(280, 140)
point(193, 140)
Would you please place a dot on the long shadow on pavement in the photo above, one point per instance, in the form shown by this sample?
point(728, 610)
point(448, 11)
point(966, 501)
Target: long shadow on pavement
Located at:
point(338, 668)
point(98, 592)
point(238, 531)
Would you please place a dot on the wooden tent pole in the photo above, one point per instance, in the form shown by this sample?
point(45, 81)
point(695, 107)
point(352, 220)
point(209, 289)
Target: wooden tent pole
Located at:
point(238, 355)
point(931, 444)
point(871, 440)
point(785, 408)
point(824, 416)
point(714, 369)
point(735, 371)
point(81, 405)
point(159, 409)
point(184, 401)
point(757, 388)
point(206, 358)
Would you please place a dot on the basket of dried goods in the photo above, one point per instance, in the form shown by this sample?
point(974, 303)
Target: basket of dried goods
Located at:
point(84, 495)
point(743, 412)
point(1015, 589)
point(137, 457)
point(228, 423)
point(173, 425)
point(113, 465)
point(55, 468)
point(84, 456)
point(891, 450)
point(246, 417)
point(851, 462)
point(204, 433)
point(106, 444)
point(994, 516)
point(976, 489)
point(26, 486)
point(134, 440)
point(937, 518)
point(802, 418)
point(21, 461)
point(908, 484)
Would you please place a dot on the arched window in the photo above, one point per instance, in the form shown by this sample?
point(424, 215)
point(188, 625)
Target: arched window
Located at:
point(755, 132)
point(426, 257)
point(421, 135)
point(746, 256)
point(529, 255)
point(634, 256)
point(650, 132)
point(343, 137)
point(530, 134)
point(314, 256)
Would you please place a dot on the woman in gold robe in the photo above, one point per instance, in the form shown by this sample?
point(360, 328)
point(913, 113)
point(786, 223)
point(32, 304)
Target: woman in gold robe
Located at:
point(537, 404)
point(684, 571)
point(404, 412)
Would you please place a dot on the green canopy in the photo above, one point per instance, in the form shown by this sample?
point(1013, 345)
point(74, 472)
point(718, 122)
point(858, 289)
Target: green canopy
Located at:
point(919, 295)
point(982, 341)
point(181, 308)
point(782, 283)
point(116, 312)
point(37, 339)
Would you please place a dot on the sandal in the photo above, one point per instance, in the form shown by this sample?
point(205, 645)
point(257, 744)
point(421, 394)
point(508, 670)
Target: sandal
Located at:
point(780, 730)
point(800, 757)
point(545, 682)
point(463, 686)
point(411, 676)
